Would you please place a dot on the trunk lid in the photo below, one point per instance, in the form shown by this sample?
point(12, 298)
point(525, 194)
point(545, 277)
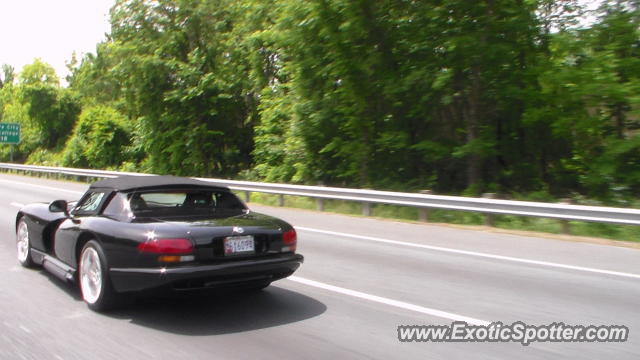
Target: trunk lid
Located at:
point(209, 233)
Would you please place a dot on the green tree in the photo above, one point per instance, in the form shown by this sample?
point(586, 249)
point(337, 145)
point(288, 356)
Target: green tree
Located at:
point(408, 94)
point(51, 109)
point(588, 95)
point(8, 75)
point(184, 82)
point(100, 139)
point(39, 73)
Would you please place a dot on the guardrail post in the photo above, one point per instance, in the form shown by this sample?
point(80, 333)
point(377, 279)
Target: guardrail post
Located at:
point(280, 200)
point(565, 227)
point(366, 209)
point(320, 204)
point(489, 219)
point(423, 213)
point(247, 196)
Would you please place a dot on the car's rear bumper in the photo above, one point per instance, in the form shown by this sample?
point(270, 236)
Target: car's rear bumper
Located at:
point(261, 270)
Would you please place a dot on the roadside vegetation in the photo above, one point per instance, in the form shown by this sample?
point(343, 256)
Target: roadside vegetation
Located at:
point(534, 100)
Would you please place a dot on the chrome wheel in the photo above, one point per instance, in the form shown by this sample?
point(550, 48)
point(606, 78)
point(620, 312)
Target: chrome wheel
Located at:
point(93, 278)
point(90, 275)
point(22, 242)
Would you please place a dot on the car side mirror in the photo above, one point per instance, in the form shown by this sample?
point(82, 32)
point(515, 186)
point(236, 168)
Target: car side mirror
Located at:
point(59, 206)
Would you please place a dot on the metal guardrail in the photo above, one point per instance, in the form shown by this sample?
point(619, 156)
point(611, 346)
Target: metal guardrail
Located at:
point(424, 201)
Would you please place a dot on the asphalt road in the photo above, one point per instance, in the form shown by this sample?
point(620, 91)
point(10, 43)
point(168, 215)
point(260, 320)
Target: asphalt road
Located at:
point(361, 279)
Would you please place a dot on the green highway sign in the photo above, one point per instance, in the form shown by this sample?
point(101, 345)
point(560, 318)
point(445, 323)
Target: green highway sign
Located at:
point(9, 133)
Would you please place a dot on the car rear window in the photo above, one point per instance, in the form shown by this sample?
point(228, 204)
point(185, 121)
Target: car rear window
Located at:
point(178, 203)
point(164, 199)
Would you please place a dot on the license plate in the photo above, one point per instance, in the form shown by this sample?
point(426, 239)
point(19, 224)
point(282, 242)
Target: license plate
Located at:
point(239, 245)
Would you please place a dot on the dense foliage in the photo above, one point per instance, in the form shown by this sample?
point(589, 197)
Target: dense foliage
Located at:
point(451, 95)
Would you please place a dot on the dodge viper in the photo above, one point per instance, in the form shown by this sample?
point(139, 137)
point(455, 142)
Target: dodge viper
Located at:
point(139, 234)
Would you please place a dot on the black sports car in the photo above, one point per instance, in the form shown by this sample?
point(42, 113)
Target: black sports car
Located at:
point(145, 233)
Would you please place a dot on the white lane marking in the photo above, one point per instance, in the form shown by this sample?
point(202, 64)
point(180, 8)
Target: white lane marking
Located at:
point(17, 204)
point(25, 329)
point(391, 302)
point(41, 186)
point(477, 254)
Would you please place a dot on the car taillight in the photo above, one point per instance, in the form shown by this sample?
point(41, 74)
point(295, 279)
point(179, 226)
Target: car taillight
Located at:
point(289, 239)
point(166, 246)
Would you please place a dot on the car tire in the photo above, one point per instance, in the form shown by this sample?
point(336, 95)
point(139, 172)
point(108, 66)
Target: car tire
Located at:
point(23, 244)
point(93, 278)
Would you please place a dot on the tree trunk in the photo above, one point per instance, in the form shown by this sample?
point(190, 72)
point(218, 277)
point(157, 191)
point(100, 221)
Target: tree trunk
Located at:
point(474, 165)
point(618, 114)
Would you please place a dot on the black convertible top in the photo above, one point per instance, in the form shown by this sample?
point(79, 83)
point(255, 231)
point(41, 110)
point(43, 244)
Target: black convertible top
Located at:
point(126, 183)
